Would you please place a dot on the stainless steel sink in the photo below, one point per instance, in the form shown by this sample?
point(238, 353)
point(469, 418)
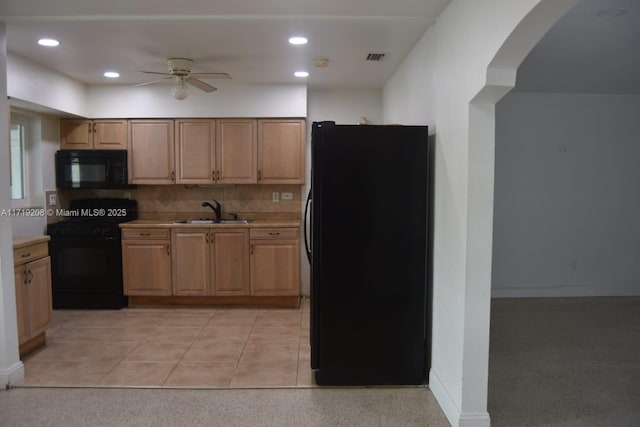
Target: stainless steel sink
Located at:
point(196, 221)
point(212, 221)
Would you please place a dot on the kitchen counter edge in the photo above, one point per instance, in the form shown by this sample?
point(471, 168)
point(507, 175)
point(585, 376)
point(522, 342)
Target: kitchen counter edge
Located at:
point(23, 241)
point(142, 223)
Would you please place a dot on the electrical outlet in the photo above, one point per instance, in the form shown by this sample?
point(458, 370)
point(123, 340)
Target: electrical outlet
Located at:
point(53, 199)
point(574, 266)
point(287, 196)
point(275, 197)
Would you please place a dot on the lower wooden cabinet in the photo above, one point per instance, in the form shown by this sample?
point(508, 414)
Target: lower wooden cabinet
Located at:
point(275, 262)
point(210, 262)
point(32, 270)
point(146, 261)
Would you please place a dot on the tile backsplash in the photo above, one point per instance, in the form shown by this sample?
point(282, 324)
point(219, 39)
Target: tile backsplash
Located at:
point(183, 202)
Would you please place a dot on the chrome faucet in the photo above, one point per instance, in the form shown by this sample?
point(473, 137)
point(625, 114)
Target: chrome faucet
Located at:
point(217, 209)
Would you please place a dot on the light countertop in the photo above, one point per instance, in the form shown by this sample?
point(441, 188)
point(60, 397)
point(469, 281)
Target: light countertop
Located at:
point(22, 241)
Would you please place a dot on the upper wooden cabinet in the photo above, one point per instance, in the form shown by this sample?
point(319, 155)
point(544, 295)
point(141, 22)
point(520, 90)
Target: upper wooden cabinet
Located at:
point(195, 151)
point(236, 151)
point(199, 151)
point(281, 145)
point(216, 151)
point(151, 152)
point(93, 134)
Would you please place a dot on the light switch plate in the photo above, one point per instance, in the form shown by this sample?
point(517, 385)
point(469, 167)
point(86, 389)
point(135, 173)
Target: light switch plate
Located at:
point(287, 196)
point(53, 199)
point(275, 197)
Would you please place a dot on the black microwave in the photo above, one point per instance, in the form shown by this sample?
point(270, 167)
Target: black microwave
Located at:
point(92, 169)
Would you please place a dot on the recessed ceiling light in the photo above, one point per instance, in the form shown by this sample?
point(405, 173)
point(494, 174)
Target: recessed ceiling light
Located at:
point(301, 74)
point(111, 74)
point(613, 12)
point(298, 40)
point(48, 42)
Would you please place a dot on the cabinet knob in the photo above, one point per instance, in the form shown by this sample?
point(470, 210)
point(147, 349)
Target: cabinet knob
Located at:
point(168, 250)
point(251, 252)
point(213, 175)
point(173, 176)
point(259, 175)
point(145, 234)
point(274, 234)
point(28, 254)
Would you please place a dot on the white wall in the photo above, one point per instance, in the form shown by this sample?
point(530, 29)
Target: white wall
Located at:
point(230, 100)
point(567, 190)
point(36, 84)
point(451, 64)
point(11, 368)
point(343, 106)
point(410, 94)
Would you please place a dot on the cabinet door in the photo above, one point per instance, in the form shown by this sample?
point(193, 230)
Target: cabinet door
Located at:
point(191, 254)
point(195, 151)
point(110, 134)
point(76, 134)
point(230, 262)
point(39, 295)
point(236, 151)
point(275, 267)
point(22, 307)
point(146, 265)
point(281, 151)
point(151, 152)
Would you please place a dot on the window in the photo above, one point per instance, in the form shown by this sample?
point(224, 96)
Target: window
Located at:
point(18, 164)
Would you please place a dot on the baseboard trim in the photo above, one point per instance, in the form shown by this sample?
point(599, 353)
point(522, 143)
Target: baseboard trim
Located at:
point(450, 408)
point(563, 291)
point(10, 376)
point(444, 399)
point(480, 419)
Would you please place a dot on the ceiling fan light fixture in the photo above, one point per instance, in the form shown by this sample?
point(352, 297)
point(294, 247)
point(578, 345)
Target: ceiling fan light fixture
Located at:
point(180, 91)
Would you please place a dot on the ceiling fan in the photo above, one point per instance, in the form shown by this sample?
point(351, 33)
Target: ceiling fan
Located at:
point(180, 71)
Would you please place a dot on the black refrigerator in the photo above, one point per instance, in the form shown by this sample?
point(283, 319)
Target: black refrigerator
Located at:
point(367, 247)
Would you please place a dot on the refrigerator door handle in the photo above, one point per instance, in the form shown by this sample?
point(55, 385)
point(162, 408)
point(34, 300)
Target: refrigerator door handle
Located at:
point(307, 240)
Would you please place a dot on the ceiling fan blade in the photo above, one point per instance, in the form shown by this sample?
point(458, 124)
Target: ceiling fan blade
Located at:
point(155, 72)
point(210, 75)
point(201, 85)
point(152, 81)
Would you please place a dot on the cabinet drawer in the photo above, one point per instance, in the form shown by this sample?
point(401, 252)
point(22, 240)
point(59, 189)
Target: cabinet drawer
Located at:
point(145, 233)
point(29, 253)
point(274, 233)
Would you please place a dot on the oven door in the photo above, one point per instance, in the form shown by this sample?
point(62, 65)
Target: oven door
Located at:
point(86, 272)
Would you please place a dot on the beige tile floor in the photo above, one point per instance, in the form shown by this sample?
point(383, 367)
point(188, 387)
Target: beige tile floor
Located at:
point(174, 347)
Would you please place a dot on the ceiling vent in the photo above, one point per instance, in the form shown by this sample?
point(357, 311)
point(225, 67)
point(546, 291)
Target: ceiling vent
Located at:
point(375, 57)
